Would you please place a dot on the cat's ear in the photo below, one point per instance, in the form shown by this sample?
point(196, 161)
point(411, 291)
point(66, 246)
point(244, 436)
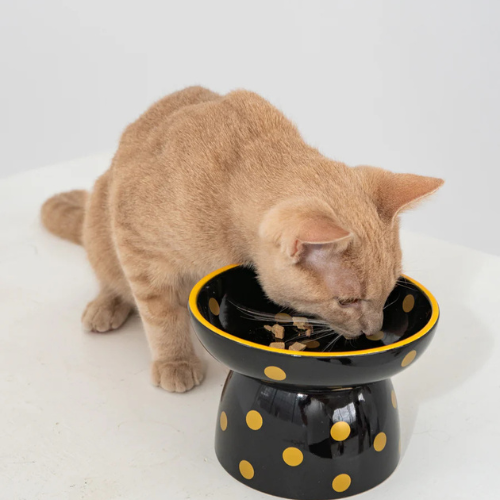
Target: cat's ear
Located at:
point(302, 228)
point(394, 193)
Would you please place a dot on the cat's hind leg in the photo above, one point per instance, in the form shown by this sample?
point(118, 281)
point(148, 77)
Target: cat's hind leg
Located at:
point(110, 309)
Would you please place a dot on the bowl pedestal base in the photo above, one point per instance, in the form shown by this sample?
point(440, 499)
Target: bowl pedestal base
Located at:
point(307, 443)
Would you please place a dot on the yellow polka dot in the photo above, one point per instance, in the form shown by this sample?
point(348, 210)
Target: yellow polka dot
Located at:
point(214, 306)
point(293, 457)
point(254, 420)
point(376, 336)
point(311, 344)
point(408, 358)
point(275, 373)
point(223, 421)
point(283, 318)
point(408, 303)
point(393, 399)
point(246, 469)
point(340, 431)
point(380, 441)
point(341, 483)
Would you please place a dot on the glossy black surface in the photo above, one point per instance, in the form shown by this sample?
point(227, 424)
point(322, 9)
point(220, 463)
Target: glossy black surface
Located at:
point(295, 399)
point(241, 301)
point(239, 286)
point(301, 421)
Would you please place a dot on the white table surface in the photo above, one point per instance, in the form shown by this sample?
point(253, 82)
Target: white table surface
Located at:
point(80, 420)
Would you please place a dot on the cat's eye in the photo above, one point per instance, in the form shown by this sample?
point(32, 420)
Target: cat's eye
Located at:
point(347, 302)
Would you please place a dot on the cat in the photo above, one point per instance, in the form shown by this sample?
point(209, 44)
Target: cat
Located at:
point(202, 180)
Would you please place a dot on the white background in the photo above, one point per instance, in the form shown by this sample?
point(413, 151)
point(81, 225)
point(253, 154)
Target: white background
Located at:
point(409, 86)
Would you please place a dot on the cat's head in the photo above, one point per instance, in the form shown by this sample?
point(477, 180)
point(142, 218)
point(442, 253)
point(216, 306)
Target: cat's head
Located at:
point(340, 261)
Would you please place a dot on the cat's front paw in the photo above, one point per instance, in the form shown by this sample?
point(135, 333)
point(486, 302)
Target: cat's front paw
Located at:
point(177, 376)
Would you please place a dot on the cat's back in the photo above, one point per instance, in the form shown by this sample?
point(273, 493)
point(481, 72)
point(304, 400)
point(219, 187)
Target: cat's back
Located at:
point(174, 165)
point(155, 122)
point(196, 122)
point(192, 139)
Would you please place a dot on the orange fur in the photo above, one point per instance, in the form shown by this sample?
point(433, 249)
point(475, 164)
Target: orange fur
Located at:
point(200, 181)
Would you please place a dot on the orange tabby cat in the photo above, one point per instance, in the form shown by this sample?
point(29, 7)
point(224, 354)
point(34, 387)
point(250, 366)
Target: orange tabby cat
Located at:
point(201, 181)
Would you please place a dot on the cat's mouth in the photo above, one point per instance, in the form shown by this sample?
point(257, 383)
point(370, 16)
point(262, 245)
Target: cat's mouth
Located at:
point(345, 333)
point(352, 336)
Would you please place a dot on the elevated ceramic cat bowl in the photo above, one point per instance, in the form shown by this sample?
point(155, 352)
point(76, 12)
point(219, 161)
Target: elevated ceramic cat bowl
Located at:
point(313, 424)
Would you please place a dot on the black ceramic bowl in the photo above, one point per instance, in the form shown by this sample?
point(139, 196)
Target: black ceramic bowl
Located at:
point(315, 424)
point(218, 304)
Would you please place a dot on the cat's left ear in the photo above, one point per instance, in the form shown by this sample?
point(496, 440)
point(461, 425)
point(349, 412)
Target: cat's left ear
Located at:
point(304, 230)
point(393, 193)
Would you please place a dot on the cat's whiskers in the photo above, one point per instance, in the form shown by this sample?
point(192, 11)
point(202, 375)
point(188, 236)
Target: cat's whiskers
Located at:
point(332, 343)
point(314, 336)
point(323, 329)
point(255, 315)
point(263, 316)
point(393, 302)
point(404, 284)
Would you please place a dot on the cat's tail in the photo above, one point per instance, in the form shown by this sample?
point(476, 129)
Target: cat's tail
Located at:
point(63, 215)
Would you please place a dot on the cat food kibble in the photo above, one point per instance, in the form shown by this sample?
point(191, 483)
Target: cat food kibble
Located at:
point(277, 345)
point(302, 326)
point(301, 323)
point(297, 346)
point(278, 331)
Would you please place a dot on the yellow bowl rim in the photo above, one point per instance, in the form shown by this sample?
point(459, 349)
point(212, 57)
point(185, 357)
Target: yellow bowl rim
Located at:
point(193, 306)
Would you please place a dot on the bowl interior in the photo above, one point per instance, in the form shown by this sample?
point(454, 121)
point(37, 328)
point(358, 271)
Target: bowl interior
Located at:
point(233, 301)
